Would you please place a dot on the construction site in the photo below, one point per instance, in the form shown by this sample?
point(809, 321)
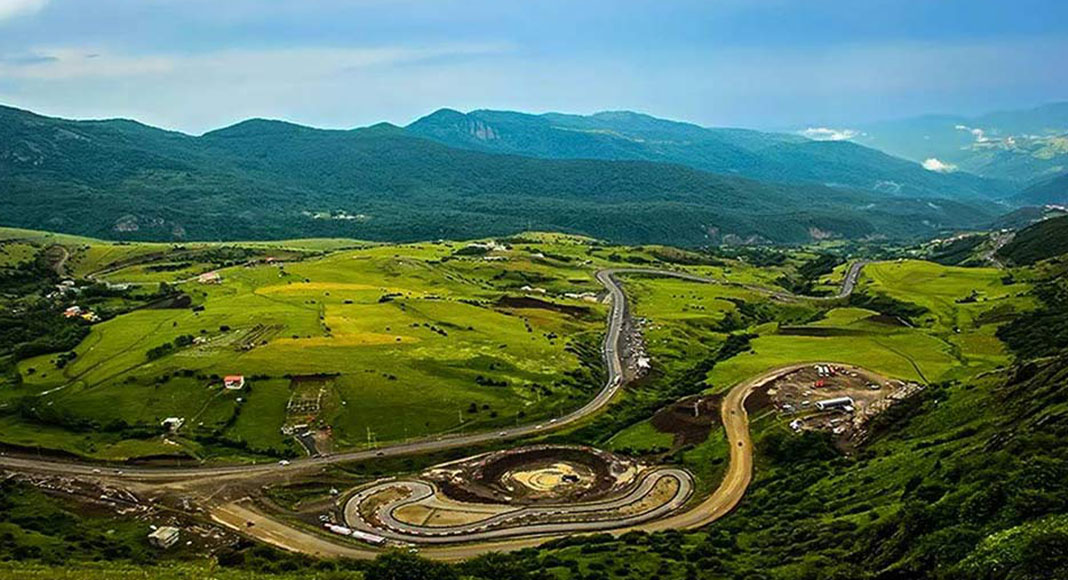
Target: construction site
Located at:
point(838, 399)
point(524, 491)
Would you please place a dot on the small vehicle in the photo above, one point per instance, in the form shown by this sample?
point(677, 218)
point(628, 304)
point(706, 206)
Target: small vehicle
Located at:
point(380, 454)
point(502, 433)
point(283, 462)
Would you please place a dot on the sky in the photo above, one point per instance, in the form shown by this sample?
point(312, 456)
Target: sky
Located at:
point(196, 65)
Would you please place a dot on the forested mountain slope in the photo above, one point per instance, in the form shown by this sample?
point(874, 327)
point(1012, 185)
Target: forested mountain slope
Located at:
point(268, 179)
point(1018, 145)
point(1038, 241)
point(753, 154)
point(1047, 191)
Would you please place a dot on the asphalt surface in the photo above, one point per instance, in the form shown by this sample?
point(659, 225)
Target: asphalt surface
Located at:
point(510, 524)
point(719, 503)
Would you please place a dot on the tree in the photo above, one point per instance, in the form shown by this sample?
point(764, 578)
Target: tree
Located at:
point(403, 566)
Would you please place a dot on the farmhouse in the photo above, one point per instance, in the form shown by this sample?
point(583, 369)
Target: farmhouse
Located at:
point(164, 537)
point(172, 424)
point(73, 311)
point(234, 382)
point(209, 278)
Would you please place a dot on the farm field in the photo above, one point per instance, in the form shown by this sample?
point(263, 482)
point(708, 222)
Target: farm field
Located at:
point(413, 339)
point(688, 321)
point(422, 339)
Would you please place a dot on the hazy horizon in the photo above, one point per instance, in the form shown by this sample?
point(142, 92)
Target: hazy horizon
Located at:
point(194, 66)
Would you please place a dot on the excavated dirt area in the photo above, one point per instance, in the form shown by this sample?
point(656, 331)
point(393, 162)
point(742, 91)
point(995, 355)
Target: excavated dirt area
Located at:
point(690, 420)
point(534, 475)
point(798, 395)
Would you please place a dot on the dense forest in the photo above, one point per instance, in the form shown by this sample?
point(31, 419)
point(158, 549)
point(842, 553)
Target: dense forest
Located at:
point(758, 155)
point(270, 180)
point(1039, 241)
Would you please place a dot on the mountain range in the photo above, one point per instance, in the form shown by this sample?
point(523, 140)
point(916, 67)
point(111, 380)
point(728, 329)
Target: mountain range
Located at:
point(1019, 146)
point(753, 154)
point(620, 176)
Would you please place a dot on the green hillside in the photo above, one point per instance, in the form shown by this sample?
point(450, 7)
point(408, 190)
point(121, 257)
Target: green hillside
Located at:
point(752, 154)
point(1047, 191)
point(272, 180)
point(1045, 239)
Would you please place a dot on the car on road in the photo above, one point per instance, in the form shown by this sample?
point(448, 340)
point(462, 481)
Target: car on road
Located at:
point(283, 462)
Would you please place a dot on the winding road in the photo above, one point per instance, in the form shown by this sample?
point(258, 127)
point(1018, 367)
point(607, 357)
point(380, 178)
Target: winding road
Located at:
point(501, 525)
point(281, 534)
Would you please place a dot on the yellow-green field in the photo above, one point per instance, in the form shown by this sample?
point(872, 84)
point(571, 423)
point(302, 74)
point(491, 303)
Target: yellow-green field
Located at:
point(954, 339)
point(413, 340)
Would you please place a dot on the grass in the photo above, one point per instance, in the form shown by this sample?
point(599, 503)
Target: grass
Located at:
point(419, 346)
point(640, 437)
point(686, 322)
point(413, 333)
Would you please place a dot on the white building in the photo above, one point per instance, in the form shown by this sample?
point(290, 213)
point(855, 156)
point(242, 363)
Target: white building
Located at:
point(836, 403)
point(164, 537)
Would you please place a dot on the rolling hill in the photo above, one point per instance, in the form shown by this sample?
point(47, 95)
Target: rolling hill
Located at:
point(1045, 239)
point(753, 154)
point(1048, 191)
point(263, 179)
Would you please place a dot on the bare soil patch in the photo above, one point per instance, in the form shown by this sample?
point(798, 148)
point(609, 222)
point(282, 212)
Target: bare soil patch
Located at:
point(690, 420)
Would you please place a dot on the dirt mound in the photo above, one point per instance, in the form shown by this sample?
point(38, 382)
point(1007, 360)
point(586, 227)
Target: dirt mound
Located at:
point(690, 420)
point(533, 475)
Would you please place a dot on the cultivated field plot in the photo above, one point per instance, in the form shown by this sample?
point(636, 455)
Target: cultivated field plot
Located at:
point(416, 341)
point(954, 338)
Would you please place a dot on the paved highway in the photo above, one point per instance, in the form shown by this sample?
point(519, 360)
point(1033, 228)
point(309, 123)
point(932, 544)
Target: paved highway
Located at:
point(737, 427)
point(512, 523)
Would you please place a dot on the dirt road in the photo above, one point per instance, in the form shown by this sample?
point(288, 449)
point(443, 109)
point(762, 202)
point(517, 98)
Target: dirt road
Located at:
point(237, 515)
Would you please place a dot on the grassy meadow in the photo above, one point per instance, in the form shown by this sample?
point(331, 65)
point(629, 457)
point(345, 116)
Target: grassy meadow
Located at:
point(412, 337)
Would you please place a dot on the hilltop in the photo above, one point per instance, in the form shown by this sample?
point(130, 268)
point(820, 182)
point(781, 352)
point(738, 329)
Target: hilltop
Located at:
point(758, 155)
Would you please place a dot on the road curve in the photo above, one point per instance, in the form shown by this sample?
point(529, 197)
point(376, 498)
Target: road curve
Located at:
point(282, 535)
point(503, 525)
point(718, 504)
point(612, 385)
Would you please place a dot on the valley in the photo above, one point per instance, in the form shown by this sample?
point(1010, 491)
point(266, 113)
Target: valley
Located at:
point(513, 313)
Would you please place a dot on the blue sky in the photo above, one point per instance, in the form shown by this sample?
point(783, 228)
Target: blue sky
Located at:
point(195, 65)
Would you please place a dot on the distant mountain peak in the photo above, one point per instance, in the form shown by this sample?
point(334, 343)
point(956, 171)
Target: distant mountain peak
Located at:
point(258, 126)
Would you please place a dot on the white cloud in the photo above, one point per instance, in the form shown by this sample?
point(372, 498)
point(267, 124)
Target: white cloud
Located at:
point(979, 134)
point(937, 165)
point(13, 8)
point(828, 134)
